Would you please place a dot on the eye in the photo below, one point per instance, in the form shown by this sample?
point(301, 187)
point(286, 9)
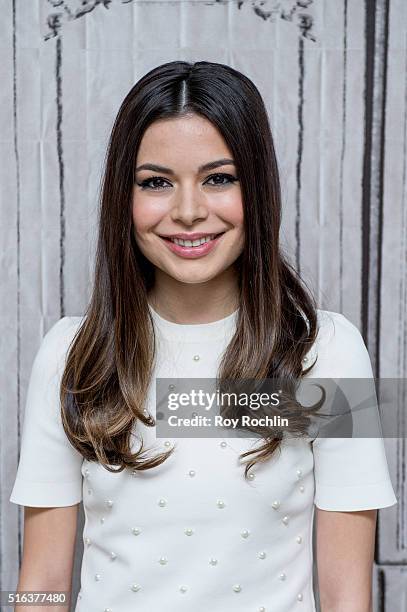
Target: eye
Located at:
point(158, 183)
point(146, 184)
point(219, 179)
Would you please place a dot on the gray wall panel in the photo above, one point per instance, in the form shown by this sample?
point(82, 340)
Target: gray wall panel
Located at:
point(333, 78)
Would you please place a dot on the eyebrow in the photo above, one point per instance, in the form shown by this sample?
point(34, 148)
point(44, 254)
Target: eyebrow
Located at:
point(209, 166)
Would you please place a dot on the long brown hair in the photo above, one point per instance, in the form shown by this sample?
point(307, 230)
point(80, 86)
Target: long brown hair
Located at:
point(110, 361)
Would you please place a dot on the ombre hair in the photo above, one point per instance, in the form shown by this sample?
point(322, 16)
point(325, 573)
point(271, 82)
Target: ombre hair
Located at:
point(110, 362)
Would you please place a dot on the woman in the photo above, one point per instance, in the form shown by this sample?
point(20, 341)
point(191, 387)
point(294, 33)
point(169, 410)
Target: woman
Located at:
point(190, 282)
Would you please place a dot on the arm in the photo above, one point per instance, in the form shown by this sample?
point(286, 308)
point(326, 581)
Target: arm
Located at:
point(48, 554)
point(345, 552)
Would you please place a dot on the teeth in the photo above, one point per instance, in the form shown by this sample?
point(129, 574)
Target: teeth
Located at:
point(189, 243)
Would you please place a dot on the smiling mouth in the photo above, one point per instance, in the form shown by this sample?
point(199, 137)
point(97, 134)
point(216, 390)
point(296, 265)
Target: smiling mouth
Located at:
point(213, 238)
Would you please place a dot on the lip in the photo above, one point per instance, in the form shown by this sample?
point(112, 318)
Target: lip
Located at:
point(192, 252)
point(192, 236)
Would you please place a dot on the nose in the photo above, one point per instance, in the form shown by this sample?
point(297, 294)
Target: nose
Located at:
point(189, 206)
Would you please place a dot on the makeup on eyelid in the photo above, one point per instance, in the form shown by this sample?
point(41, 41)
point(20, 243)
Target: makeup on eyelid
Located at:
point(230, 181)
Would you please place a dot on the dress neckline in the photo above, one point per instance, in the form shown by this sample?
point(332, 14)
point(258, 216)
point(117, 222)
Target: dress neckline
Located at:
point(200, 332)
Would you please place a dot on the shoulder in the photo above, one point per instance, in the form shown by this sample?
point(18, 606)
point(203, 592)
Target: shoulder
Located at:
point(334, 327)
point(55, 344)
point(61, 333)
point(64, 328)
point(339, 348)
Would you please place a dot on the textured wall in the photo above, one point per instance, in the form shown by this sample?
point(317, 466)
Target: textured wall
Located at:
point(333, 75)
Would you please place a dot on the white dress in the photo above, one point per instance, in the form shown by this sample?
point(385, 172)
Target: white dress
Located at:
point(192, 534)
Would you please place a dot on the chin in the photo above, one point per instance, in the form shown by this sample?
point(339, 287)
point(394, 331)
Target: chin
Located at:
point(194, 280)
point(192, 277)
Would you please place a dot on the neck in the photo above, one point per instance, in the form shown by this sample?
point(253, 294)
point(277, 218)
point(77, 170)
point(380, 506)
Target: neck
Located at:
point(189, 303)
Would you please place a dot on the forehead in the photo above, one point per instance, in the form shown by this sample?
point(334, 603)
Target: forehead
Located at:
point(190, 140)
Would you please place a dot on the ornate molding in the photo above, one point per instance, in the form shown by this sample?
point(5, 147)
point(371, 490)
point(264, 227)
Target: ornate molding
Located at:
point(294, 11)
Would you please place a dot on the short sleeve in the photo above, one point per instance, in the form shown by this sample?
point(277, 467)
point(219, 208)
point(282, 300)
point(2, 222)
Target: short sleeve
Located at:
point(49, 470)
point(350, 473)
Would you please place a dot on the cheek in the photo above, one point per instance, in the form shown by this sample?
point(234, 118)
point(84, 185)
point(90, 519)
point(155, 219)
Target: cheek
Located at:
point(238, 215)
point(230, 208)
point(145, 214)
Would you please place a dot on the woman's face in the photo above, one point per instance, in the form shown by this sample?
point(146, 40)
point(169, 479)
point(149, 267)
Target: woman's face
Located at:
point(187, 189)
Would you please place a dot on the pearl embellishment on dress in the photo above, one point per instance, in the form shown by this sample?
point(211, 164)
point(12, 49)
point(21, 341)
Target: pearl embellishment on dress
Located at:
point(189, 531)
point(102, 520)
